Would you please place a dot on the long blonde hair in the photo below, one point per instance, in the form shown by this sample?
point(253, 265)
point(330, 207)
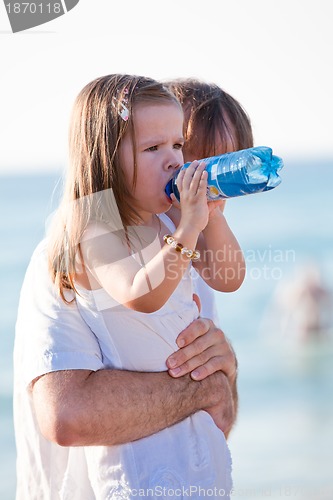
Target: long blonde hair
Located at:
point(96, 131)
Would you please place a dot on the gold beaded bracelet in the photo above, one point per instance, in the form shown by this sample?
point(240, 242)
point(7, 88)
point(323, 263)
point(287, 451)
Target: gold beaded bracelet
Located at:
point(191, 254)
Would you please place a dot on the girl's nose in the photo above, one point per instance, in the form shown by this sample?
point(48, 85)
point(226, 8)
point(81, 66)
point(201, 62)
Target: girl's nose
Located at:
point(174, 162)
point(174, 166)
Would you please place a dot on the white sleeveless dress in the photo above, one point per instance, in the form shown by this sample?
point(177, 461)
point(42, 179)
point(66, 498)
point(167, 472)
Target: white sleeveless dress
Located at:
point(186, 458)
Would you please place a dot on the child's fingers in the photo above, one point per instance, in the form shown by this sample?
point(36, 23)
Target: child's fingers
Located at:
point(180, 180)
point(174, 200)
point(188, 175)
point(199, 181)
point(202, 185)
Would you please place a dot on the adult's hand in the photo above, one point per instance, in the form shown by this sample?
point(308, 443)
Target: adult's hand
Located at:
point(224, 413)
point(203, 350)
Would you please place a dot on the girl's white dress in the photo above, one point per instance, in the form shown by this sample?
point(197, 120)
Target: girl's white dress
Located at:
point(183, 460)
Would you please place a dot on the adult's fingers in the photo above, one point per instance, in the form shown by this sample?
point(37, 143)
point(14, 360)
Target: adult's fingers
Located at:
point(204, 351)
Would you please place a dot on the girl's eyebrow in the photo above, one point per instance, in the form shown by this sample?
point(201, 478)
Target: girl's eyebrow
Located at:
point(152, 140)
point(159, 140)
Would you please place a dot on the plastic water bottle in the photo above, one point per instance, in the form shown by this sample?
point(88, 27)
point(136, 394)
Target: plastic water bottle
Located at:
point(247, 171)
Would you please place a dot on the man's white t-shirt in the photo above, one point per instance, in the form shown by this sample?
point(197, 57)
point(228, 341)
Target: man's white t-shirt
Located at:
point(50, 336)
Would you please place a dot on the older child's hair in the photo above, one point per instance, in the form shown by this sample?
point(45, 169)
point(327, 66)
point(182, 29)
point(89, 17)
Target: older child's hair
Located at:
point(209, 112)
point(102, 114)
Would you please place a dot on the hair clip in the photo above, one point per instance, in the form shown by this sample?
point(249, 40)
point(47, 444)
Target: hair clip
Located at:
point(124, 111)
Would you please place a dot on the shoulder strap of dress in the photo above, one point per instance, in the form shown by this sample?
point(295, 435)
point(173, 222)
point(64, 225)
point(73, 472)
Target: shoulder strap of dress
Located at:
point(167, 221)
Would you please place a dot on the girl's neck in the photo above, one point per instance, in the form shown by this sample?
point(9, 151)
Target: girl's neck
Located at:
point(150, 220)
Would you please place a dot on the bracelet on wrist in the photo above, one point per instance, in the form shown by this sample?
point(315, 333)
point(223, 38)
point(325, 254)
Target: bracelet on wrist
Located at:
point(191, 254)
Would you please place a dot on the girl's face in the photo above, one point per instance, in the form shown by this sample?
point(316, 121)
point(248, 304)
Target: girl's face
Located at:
point(158, 150)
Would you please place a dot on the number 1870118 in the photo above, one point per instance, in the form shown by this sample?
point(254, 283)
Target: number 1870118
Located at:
point(33, 8)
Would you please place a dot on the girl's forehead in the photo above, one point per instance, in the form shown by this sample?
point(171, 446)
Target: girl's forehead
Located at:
point(155, 121)
point(151, 107)
point(157, 115)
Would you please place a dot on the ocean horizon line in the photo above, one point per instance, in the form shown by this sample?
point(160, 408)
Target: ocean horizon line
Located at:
point(57, 169)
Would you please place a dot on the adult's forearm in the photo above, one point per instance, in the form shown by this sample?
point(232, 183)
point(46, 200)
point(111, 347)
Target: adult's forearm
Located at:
point(234, 393)
point(232, 417)
point(140, 404)
point(232, 378)
point(109, 407)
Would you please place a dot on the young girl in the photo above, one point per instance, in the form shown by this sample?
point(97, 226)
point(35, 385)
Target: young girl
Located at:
point(130, 268)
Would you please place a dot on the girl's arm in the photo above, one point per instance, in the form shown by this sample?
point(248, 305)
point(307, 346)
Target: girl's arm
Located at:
point(145, 286)
point(222, 263)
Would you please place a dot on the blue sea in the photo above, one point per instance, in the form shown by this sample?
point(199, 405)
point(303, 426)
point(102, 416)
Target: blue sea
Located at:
point(282, 444)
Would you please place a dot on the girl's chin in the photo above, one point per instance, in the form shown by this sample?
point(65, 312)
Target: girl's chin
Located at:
point(164, 205)
point(167, 206)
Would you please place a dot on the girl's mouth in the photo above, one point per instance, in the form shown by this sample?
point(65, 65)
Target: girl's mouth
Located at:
point(168, 189)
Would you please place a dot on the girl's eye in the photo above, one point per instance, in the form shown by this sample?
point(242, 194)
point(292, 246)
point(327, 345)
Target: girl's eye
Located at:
point(178, 146)
point(152, 148)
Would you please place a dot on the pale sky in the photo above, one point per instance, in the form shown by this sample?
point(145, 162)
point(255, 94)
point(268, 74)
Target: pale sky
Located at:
point(274, 56)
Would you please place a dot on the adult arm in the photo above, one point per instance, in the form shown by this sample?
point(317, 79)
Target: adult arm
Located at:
point(109, 407)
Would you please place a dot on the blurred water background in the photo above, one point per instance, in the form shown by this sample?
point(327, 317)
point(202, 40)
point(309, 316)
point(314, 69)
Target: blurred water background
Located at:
point(282, 445)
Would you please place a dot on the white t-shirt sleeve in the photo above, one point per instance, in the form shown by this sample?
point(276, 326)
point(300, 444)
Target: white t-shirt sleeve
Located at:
point(50, 334)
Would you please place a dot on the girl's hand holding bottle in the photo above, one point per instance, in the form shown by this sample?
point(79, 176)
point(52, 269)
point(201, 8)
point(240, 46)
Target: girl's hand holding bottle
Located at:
point(192, 185)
